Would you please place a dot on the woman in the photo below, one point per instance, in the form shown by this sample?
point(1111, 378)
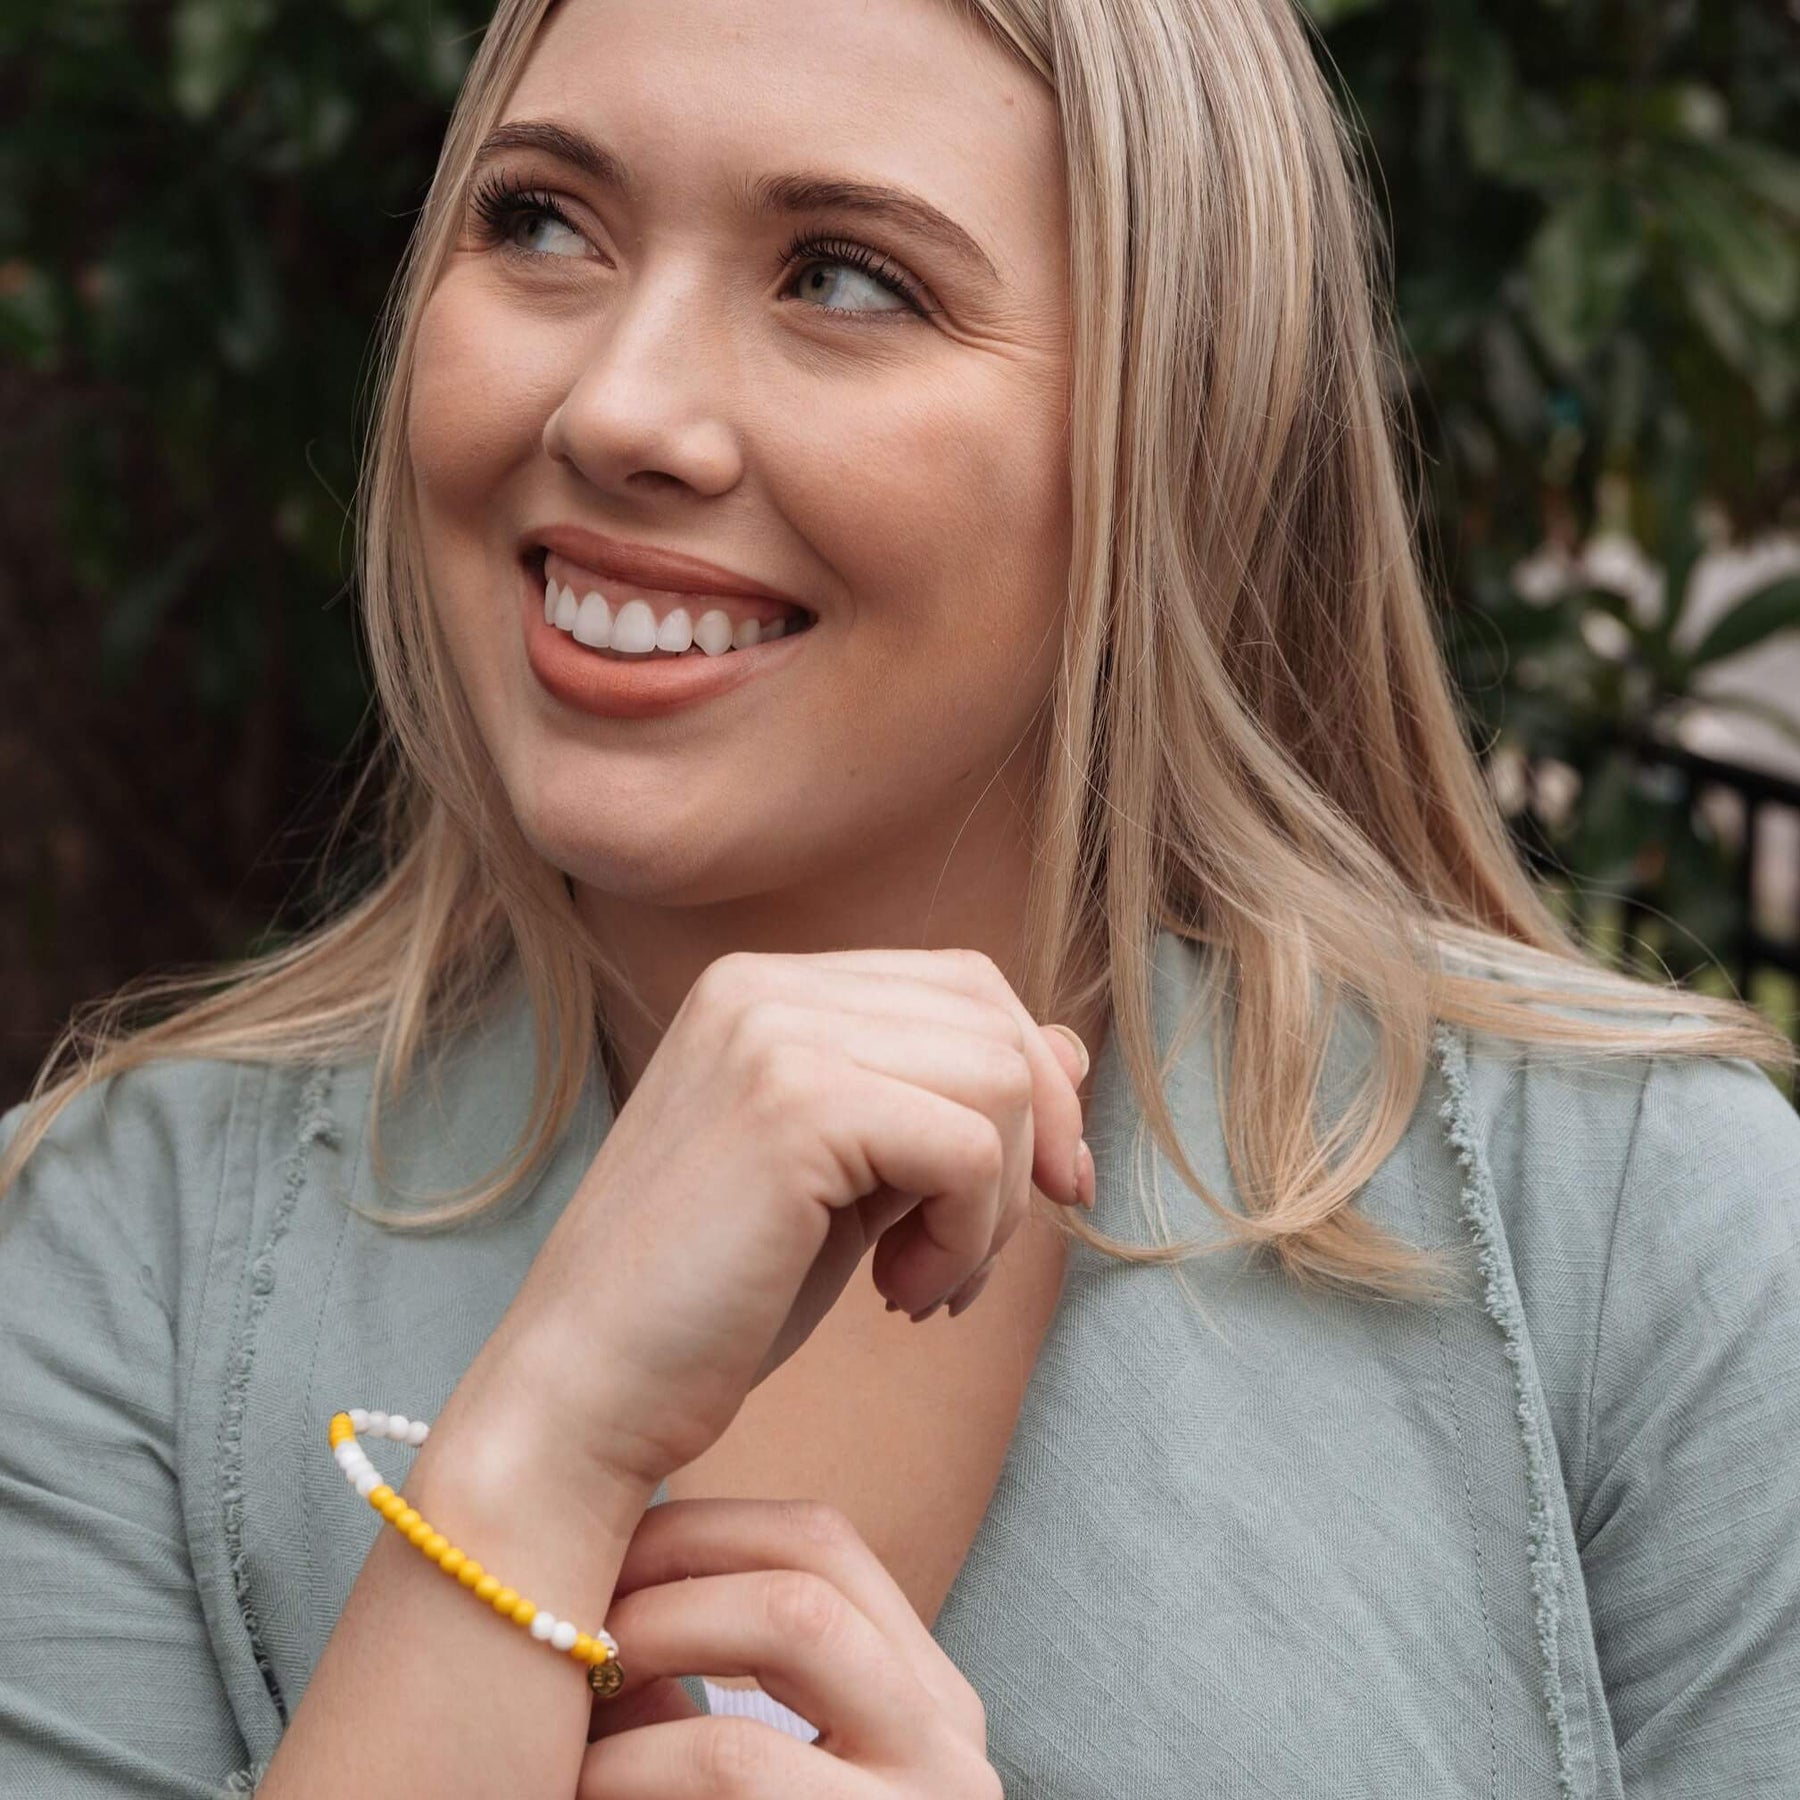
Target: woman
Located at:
point(888, 580)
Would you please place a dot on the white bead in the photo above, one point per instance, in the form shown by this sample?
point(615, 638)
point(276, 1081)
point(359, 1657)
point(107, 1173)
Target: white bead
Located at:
point(606, 1637)
point(359, 1419)
point(417, 1432)
point(564, 1636)
point(398, 1426)
point(344, 1455)
point(367, 1482)
point(378, 1423)
point(542, 1624)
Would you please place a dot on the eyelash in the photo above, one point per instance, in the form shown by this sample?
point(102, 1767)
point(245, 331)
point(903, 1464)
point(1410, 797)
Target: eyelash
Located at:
point(499, 201)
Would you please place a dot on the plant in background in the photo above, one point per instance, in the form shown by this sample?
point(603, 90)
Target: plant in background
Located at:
point(1596, 227)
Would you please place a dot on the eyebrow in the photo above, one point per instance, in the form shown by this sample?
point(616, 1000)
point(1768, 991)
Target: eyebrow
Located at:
point(771, 195)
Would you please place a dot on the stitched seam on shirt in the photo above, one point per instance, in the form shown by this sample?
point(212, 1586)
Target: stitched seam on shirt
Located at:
point(1612, 1243)
point(1500, 1299)
point(315, 1124)
point(1487, 1623)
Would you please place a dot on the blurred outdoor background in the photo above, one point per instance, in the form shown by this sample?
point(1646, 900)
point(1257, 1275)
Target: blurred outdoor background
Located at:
point(1595, 215)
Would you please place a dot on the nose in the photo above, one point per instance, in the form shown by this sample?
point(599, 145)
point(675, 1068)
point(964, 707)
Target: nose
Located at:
point(646, 404)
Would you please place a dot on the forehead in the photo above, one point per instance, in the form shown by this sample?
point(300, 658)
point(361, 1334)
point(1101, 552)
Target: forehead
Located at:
point(695, 96)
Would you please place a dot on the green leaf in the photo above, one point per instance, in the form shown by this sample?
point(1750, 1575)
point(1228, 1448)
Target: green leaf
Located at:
point(1720, 229)
point(1754, 619)
point(1581, 266)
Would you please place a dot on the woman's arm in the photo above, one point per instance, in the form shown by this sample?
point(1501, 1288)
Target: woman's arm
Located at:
point(1689, 1476)
point(422, 1690)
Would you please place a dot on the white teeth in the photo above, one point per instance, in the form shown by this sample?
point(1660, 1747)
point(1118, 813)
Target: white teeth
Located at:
point(634, 630)
point(593, 623)
point(712, 632)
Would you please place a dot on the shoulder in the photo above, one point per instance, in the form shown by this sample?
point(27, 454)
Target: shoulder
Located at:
point(132, 1171)
point(1650, 1209)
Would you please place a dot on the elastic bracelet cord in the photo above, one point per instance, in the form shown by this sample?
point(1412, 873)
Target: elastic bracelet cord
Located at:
point(598, 1651)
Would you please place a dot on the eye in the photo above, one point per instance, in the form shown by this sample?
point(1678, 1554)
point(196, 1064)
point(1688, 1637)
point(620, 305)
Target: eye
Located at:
point(526, 221)
point(822, 277)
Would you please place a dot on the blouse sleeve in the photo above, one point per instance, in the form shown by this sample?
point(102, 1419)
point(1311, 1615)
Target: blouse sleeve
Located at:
point(108, 1685)
point(1689, 1485)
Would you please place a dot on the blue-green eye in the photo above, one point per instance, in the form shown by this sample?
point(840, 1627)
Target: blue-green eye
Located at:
point(873, 270)
point(509, 215)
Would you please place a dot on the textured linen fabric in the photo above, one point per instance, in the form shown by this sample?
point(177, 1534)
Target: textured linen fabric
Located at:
point(1246, 1542)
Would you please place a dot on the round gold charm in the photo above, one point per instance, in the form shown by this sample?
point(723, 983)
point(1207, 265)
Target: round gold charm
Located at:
point(606, 1678)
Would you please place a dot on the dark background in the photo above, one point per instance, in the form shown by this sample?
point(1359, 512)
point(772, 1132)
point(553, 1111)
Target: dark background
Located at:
point(1595, 210)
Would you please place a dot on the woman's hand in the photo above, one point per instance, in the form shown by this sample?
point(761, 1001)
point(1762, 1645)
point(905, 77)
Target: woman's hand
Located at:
point(785, 1591)
point(798, 1110)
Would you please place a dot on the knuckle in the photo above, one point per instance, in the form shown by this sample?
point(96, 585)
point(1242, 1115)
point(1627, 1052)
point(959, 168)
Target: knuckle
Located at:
point(986, 1153)
point(802, 1608)
point(779, 1076)
point(819, 1522)
point(724, 983)
point(980, 970)
point(1010, 1081)
point(733, 1756)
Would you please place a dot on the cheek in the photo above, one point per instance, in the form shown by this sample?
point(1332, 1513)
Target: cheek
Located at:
point(949, 523)
point(475, 413)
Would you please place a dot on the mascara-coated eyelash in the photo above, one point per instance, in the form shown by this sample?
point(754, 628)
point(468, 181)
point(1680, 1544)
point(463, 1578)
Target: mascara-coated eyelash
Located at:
point(812, 248)
point(500, 200)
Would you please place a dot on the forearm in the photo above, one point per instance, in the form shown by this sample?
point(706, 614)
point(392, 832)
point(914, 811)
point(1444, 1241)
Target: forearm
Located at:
point(424, 1691)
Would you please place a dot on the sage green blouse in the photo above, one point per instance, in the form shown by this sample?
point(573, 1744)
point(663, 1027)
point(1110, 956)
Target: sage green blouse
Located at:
point(1542, 1541)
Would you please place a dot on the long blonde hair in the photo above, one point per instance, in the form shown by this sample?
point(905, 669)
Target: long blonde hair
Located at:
point(1254, 740)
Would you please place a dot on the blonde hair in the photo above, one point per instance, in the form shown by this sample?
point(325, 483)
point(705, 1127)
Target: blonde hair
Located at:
point(1255, 743)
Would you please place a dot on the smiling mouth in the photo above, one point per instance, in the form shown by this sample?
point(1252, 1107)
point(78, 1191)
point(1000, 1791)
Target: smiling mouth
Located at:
point(624, 622)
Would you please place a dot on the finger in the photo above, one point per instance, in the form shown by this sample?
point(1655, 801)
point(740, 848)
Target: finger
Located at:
point(682, 1538)
point(717, 1759)
point(1056, 1106)
point(888, 1132)
point(805, 1643)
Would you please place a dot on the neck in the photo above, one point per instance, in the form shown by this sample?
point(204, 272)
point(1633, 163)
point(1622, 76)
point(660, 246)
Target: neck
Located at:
point(963, 889)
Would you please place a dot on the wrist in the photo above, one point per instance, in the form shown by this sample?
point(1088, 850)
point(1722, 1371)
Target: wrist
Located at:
point(503, 1451)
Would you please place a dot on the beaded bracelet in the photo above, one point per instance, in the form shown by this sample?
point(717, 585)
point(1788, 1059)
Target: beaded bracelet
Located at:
point(598, 1651)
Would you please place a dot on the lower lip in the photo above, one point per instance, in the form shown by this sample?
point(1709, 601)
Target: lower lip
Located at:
point(593, 682)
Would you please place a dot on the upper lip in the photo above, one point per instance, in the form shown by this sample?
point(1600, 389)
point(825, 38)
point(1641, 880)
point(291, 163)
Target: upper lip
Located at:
point(649, 565)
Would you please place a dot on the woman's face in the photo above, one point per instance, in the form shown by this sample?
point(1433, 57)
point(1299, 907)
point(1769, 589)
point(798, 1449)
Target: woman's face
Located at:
point(651, 333)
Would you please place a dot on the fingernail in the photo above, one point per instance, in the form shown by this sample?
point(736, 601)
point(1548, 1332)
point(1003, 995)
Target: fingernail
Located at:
point(925, 1312)
point(893, 1306)
point(1084, 1174)
point(1074, 1038)
point(971, 1293)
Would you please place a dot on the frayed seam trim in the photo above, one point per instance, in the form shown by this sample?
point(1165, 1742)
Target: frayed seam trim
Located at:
point(245, 1781)
point(315, 1125)
point(1500, 1300)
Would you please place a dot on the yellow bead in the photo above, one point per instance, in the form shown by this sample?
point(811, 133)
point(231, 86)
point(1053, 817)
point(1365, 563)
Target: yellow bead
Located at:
point(486, 1588)
point(340, 1431)
point(470, 1573)
point(583, 1647)
point(392, 1507)
point(380, 1496)
point(435, 1545)
point(405, 1519)
point(523, 1613)
point(419, 1531)
point(503, 1600)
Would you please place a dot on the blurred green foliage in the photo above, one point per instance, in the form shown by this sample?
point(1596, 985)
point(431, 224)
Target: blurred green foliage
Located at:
point(1594, 208)
point(1596, 226)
